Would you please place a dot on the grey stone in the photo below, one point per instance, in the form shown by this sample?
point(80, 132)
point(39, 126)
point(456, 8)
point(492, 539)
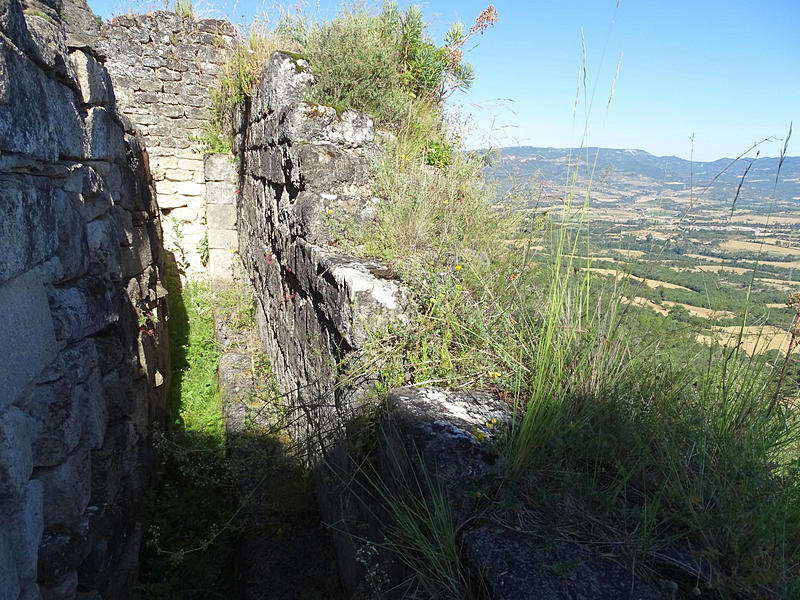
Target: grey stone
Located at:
point(220, 192)
point(513, 564)
point(25, 528)
point(27, 335)
point(92, 78)
point(73, 250)
point(283, 81)
point(81, 309)
point(47, 43)
point(67, 489)
point(9, 579)
point(28, 217)
point(104, 137)
point(114, 461)
point(306, 121)
point(80, 24)
point(221, 216)
point(104, 248)
point(223, 239)
point(219, 167)
point(16, 460)
point(38, 116)
point(65, 591)
point(68, 405)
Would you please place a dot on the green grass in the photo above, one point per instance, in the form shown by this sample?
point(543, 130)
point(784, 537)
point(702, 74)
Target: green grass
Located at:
point(195, 390)
point(189, 541)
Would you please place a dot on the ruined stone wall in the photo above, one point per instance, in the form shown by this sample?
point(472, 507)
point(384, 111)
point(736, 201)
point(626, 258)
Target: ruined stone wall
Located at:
point(303, 167)
point(83, 367)
point(162, 67)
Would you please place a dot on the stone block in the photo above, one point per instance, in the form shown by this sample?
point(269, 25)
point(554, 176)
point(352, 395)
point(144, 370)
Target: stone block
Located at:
point(25, 528)
point(104, 137)
point(220, 192)
point(81, 309)
point(9, 579)
point(512, 563)
point(165, 74)
point(219, 167)
point(73, 249)
point(16, 457)
point(104, 249)
point(92, 78)
point(67, 489)
point(164, 163)
point(178, 175)
point(222, 265)
point(113, 462)
point(189, 188)
point(68, 405)
point(190, 164)
point(283, 82)
point(27, 335)
point(66, 590)
point(139, 255)
point(221, 216)
point(307, 121)
point(165, 188)
point(223, 239)
point(28, 223)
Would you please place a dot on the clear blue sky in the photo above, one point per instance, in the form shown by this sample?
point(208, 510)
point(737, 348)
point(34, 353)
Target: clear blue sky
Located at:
point(727, 72)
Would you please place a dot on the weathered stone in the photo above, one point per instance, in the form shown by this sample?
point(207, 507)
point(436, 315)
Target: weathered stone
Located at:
point(47, 43)
point(65, 591)
point(80, 23)
point(306, 121)
point(283, 82)
point(104, 247)
point(38, 116)
point(68, 405)
point(221, 216)
point(104, 136)
point(9, 579)
point(514, 563)
point(73, 250)
point(114, 461)
point(26, 316)
point(92, 78)
point(16, 458)
point(28, 217)
point(81, 309)
point(222, 265)
point(67, 489)
point(219, 167)
point(139, 254)
point(220, 192)
point(188, 188)
point(227, 239)
point(24, 529)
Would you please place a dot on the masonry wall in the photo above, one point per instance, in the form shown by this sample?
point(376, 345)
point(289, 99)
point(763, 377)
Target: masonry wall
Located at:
point(303, 165)
point(162, 67)
point(83, 362)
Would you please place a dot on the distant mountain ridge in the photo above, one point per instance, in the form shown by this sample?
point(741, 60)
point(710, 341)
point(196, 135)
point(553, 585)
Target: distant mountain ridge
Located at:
point(623, 170)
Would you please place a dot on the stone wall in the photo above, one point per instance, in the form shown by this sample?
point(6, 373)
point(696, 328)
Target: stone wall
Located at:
point(83, 367)
point(223, 237)
point(162, 67)
point(303, 165)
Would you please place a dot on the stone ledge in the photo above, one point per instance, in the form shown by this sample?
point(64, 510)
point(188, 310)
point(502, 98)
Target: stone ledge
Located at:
point(436, 430)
